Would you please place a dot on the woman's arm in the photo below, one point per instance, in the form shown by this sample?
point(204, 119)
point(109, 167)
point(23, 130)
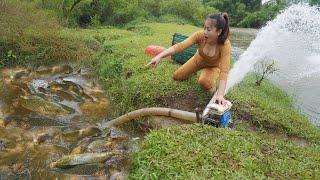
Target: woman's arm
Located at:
point(225, 61)
point(224, 70)
point(194, 38)
point(218, 96)
point(222, 88)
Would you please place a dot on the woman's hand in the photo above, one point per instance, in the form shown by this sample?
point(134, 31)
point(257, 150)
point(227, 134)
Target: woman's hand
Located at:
point(219, 99)
point(154, 61)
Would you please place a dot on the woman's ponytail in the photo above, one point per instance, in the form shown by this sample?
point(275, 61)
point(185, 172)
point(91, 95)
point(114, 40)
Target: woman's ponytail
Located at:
point(225, 30)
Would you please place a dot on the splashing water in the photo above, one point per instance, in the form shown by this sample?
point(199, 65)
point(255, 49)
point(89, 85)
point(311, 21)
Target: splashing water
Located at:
point(292, 39)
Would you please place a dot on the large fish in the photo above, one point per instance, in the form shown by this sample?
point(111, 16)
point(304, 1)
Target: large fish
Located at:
point(42, 106)
point(89, 131)
point(86, 158)
point(66, 69)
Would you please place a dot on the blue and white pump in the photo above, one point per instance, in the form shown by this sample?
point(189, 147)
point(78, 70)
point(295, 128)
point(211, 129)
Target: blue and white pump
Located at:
point(217, 115)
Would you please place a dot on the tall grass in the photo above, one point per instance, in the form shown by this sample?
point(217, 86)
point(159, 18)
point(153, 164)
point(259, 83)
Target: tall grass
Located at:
point(32, 35)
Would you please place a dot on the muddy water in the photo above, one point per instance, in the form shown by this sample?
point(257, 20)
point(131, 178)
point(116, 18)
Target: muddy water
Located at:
point(51, 112)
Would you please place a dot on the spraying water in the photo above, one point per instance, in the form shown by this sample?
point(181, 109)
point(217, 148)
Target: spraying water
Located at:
point(292, 39)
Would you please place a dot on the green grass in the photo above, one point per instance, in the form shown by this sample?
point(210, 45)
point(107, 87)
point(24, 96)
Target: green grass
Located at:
point(203, 152)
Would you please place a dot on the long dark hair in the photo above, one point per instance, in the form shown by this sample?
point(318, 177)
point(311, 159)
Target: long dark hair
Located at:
point(221, 22)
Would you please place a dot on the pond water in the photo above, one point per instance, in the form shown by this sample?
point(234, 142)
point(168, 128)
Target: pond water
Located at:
point(51, 112)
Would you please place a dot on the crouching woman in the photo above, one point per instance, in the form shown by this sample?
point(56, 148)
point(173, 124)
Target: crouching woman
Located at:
point(212, 57)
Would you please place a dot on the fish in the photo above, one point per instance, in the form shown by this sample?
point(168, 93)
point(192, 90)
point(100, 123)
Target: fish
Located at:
point(62, 69)
point(90, 131)
point(116, 175)
point(40, 138)
point(19, 74)
point(98, 145)
point(69, 95)
point(43, 70)
point(66, 69)
point(86, 158)
point(42, 106)
point(79, 149)
point(82, 133)
point(42, 121)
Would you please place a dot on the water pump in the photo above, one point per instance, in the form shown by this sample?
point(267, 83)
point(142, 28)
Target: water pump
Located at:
point(216, 115)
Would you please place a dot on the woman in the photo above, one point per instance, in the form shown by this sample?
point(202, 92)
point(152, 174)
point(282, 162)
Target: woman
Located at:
point(212, 56)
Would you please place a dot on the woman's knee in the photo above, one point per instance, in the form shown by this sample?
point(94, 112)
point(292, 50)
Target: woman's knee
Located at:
point(177, 76)
point(205, 84)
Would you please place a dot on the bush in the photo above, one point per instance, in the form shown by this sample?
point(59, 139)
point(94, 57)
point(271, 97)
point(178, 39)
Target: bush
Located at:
point(236, 9)
point(187, 9)
point(121, 12)
point(95, 12)
point(259, 18)
point(172, 19)
point(263, 69)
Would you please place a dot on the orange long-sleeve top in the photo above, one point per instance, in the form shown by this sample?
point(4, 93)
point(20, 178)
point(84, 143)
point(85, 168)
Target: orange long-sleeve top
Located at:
point(221, 59)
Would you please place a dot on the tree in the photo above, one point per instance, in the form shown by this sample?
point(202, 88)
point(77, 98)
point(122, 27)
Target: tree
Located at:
point(259, 18)
point(315, 2)
point(263, 69)
point(237, 9)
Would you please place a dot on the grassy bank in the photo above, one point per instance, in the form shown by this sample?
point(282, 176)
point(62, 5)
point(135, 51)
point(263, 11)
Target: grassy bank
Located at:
point(30, 35)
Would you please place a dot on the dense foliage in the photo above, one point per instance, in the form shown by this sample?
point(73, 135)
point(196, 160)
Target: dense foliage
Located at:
point(243, 13)
point(119, 12)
